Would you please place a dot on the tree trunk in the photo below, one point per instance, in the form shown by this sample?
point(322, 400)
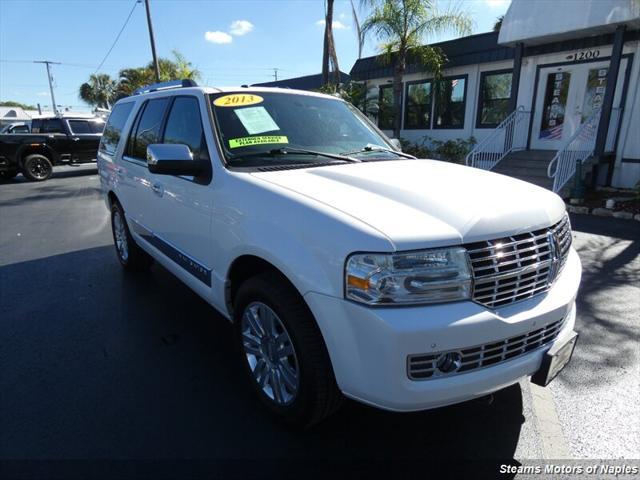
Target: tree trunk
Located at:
point(330, 69)
point(397, 94)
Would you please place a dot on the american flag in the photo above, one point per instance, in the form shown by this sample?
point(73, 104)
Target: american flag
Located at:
point(552, 133)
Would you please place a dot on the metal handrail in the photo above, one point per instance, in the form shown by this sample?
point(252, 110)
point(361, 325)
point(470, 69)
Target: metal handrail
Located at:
point(510, 135)
point(579, 147)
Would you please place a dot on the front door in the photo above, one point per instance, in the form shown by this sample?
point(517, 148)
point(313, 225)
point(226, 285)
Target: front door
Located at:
point(85, 137)
point(567, 96)
point(181, 223)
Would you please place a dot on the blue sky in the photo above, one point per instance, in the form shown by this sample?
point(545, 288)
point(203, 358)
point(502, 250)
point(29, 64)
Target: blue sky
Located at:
point(231, 42)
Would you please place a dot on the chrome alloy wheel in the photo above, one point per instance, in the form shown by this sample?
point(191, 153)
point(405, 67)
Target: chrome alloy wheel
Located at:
point(120, 235)
point(270, 353)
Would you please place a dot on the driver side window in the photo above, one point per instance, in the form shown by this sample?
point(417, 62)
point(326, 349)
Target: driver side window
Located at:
point(184, 126)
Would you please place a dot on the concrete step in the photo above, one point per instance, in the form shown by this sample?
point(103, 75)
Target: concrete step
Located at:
point(523, 169)
point(541, 155)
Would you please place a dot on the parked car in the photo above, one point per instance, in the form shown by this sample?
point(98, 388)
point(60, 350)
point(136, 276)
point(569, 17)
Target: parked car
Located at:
point(347, 267)
point(52, 141)
point(18, 127)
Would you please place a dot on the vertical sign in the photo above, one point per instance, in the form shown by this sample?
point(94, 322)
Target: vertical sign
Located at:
point(594, 93)
point(555, 103)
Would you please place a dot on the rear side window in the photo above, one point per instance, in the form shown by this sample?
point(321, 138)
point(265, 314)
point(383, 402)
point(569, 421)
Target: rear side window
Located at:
point(148, 129)
point(184, 125)
point(79, 126)
point(52, 125)
point(36, 125)
point(115, 124)
point(86, 126)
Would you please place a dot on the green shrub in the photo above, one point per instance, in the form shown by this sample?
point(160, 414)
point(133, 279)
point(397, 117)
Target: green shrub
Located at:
point(450, 150)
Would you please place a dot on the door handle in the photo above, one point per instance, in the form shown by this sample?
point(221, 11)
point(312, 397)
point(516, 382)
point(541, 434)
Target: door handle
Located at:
point(157, 189)
point(75, 139)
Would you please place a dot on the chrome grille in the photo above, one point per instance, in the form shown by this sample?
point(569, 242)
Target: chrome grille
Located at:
point(517, 267)
point(425, 366)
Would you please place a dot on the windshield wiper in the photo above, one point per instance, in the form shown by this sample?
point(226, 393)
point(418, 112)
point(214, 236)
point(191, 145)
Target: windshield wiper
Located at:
point(377, 148)
point(299, 151)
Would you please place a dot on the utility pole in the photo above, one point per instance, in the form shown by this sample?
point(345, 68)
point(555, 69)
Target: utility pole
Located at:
point(275, 74)
point(156, 67)
point(53, 98)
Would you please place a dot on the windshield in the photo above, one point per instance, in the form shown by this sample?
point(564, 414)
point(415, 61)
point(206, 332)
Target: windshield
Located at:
point(269, 128)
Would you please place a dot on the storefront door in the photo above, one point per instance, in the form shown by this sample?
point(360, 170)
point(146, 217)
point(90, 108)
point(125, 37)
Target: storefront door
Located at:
point(567, 96)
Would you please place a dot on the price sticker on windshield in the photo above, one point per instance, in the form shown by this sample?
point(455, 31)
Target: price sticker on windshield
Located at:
point(237, 100)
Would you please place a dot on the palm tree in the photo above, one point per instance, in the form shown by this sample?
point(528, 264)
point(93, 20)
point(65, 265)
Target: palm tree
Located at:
point(402, 26)
point(98, 91)
point(330, 68)
point(177, 69)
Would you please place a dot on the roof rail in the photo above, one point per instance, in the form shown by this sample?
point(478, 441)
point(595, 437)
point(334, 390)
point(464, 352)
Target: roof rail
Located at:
point(165, 86)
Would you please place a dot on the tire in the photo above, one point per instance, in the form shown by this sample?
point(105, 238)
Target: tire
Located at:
point(129, 254)
point(8, 174)
point(37, 168)
point(313, 395)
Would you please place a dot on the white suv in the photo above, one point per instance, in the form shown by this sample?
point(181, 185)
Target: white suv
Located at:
point(347, 267)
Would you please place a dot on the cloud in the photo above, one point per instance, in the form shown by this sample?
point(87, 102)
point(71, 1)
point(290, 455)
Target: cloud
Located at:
point(240, 27)
point(497, 3)
point(337, 24)
point(218, 37)
point(42, 94)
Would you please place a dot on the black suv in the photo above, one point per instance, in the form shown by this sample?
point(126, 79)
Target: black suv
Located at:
point(53, 141)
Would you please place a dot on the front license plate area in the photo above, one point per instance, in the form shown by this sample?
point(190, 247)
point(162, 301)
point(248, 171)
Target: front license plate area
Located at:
point(554, 361)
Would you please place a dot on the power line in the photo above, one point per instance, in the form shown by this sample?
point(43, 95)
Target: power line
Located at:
point(117, 36)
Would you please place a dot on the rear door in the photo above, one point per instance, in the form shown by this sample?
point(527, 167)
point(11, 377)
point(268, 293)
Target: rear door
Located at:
point(85, 137)
point(135, 188)
point(57, 138)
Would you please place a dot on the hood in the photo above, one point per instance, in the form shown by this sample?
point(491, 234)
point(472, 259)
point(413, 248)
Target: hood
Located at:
point(426, 203)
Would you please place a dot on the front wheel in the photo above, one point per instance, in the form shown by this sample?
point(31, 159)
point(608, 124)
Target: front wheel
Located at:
point(37, 168)
point(283, 352)
point(8, 174)
point(130, 255)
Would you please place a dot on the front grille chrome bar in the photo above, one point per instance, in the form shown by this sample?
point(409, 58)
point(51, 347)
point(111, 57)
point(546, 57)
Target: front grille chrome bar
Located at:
point(517, 267)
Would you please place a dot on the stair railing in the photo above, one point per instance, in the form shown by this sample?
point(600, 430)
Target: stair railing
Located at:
point(579, 148)
point(509, 136)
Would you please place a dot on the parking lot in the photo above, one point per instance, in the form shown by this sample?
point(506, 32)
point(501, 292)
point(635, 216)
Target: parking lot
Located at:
point(96, 363)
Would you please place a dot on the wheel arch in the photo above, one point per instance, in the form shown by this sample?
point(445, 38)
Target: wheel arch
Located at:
point(31, 149)
point(243, 268)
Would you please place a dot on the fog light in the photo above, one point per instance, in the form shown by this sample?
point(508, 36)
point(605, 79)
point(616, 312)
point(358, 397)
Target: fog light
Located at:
point(449, 362)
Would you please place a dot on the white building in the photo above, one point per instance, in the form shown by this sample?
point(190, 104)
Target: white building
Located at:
point(537, 92)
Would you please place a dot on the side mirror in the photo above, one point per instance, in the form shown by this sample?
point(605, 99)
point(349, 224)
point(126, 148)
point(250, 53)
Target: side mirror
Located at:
point(396, 144)
point(172, 159)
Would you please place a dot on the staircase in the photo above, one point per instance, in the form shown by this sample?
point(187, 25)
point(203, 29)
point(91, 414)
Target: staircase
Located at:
point(504, 151)
point(528, 165)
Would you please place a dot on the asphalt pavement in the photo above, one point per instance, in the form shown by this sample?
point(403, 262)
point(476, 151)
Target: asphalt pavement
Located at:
point(96, 363)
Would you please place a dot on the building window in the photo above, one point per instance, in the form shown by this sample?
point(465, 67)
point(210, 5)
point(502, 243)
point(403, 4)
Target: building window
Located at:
point(451, 100)
point(417, 114)
point(386, 110)
point(495, 93)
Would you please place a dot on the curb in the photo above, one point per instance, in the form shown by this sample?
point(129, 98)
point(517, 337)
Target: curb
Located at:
point(602, 212)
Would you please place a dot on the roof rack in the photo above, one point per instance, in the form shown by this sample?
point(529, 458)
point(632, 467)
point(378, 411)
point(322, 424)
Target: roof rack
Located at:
point(155, 87)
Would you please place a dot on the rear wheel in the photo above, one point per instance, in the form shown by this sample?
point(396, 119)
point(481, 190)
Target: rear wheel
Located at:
point(283, 352)
point(37, 168)
point(130, 255)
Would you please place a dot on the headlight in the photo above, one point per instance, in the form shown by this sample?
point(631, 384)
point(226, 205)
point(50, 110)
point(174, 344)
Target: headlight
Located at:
point(427, 276)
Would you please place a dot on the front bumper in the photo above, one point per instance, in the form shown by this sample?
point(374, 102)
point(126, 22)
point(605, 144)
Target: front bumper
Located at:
point(369, 346)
